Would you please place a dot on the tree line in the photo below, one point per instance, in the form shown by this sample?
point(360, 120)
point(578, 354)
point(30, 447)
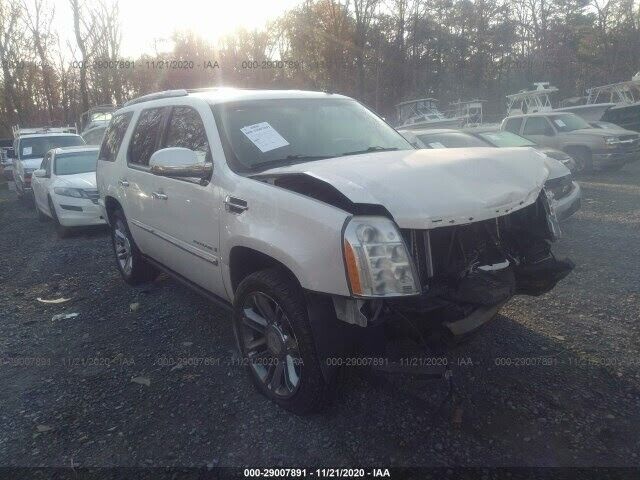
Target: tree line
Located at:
point(378, 51)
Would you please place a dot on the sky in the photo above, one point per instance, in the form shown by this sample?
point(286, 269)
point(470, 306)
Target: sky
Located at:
point(143, 21)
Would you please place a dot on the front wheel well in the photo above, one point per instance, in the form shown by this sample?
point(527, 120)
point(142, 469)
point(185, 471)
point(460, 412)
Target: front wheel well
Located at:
point(244, 261)
point(111, 205)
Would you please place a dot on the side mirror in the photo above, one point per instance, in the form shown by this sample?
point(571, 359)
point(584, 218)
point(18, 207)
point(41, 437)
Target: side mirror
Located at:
point(180, 163)
point(40, 173)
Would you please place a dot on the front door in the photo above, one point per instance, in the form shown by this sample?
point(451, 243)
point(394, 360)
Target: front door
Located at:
point(540, 131)
point(185, 211)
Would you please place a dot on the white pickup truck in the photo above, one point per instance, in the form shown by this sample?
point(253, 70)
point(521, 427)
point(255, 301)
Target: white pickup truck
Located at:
point(319, 223)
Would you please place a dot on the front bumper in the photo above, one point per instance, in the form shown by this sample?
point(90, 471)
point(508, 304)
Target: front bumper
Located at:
point(569, 204)
point(77, 212)
point(614, 158)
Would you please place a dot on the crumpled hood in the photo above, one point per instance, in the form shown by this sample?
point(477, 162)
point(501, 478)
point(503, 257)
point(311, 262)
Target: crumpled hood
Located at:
point(433, 188)
point(79, 180)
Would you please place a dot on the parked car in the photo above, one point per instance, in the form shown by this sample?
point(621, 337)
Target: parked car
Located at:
point(566, 192)
point(94, 135)
point(319, 223)
point(593, 148)
point(30, 146)
point(64, 188)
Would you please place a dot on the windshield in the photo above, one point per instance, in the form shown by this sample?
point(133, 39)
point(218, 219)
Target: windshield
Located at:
point(568, 123)
point(450, 140)
point(260, 134)
point(506, 139)
point(77, 162)
point(37, 147)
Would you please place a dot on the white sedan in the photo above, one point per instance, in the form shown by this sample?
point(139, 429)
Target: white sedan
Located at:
point(64, 188)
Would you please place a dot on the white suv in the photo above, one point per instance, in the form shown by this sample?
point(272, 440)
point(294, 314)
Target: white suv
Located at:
point(319, 223)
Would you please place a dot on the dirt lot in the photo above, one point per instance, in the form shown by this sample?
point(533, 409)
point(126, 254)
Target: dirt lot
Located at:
point(554, 380)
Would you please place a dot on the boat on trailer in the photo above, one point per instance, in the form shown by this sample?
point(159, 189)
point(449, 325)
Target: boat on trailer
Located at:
point(468, 111)
point(423, 113)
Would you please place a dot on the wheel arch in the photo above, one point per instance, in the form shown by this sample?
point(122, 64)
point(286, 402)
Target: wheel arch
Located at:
point(111, 204)
point(245, 260)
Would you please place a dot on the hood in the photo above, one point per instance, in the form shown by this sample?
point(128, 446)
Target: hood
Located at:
point(596, 132)
point(79, 180)
point(32, 163)
point(556, 168)
point(434, 188)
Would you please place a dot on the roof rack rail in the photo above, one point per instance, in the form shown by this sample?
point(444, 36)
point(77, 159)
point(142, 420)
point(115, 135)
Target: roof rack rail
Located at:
point(17, 131)
point(158, 95)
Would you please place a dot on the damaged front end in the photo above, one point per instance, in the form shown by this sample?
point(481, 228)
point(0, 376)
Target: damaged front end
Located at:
point(466, 272)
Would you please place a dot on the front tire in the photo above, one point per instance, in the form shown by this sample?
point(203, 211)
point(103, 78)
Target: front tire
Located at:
point(274, 336)
point(130, 261)
point(41, 216)
point(61, 230)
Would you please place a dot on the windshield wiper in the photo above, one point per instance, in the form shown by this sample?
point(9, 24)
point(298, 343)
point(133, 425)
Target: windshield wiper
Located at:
point(372, 149)
point(289, 160)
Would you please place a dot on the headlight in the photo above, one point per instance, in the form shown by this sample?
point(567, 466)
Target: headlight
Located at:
point(377, 261)
point(69, 192)
point(611, 140)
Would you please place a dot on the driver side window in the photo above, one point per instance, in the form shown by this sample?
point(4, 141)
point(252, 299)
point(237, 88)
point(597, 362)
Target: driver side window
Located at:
point(185, 129)
point(536, 126)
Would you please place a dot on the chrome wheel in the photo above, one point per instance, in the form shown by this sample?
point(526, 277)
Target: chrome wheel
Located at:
point(122, 247)
point(270, 345)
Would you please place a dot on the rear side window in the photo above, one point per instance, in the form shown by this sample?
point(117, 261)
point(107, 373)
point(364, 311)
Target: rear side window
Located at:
point(513, 125)
point(113, 137)
point(145, 136)
point(535, 126)
point(186, 130)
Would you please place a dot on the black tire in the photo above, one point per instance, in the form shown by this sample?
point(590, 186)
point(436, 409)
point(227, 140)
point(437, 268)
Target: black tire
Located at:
point(61, 230)
point(583, 157)
point(135, 269)
point(41, 216)
point(311, 393)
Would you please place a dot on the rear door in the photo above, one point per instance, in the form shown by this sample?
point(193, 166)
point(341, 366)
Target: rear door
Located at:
point(186, 211)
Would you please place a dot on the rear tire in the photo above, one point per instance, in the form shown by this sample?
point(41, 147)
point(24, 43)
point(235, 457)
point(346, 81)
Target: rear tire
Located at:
point(130, 261)
point(271, 326)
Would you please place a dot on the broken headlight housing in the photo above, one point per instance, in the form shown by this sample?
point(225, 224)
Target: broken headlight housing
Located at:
point(377, 260)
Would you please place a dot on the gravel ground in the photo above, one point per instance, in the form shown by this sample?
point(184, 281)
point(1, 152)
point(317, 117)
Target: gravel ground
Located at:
point(553, 381)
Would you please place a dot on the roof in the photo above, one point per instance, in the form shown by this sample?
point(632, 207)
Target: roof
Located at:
point(407, 102)
point(539, 114)
point(229, 94)
point(48, 134)
point(77, 148)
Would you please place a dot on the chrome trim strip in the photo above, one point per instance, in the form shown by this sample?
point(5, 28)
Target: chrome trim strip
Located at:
point(178, 243)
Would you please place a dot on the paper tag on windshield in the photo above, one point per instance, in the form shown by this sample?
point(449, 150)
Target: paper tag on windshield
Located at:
point(436, 145)
point(559, 123)
point(264, 136)
point(27, 150)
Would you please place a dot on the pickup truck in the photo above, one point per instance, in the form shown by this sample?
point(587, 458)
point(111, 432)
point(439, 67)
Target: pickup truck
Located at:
point(318, 225)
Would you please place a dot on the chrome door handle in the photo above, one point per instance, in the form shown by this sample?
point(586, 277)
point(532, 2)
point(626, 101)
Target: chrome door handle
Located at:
point(235, 205)
point(159, 195)
point(123, 183)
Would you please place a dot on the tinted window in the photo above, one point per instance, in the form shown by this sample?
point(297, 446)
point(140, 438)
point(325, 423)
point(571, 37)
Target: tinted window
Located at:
point(513, 125)
point(145, 136)
point(186, 130)
point(535, 126)
point(113, 136)
point(450, 140)
point(37, 147)
point(77, 162)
